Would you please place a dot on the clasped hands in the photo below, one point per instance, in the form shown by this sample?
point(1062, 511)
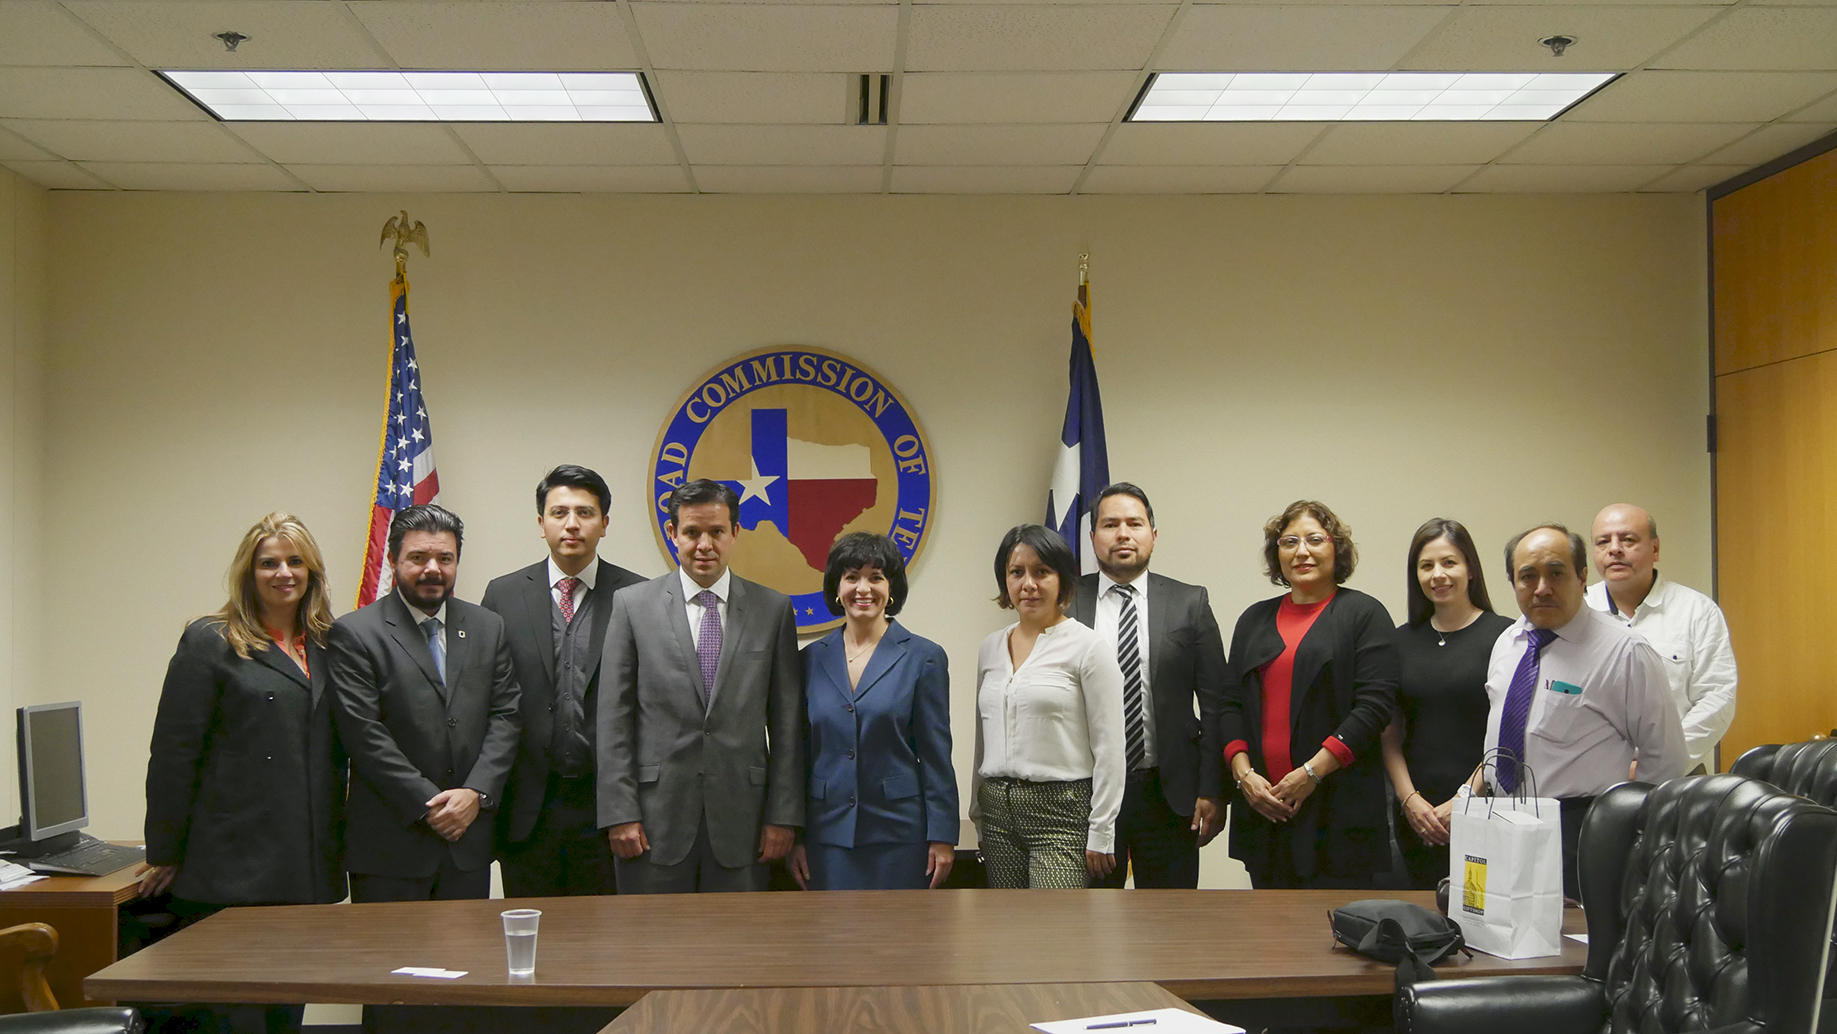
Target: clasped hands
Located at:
point(1431, 822)
point(1276, 802)
point(451, 812)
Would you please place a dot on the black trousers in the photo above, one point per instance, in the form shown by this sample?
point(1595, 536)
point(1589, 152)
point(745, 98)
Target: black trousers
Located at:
point(446, 884)
point(566, 854)
point(1575, 809)
point(1153, 839)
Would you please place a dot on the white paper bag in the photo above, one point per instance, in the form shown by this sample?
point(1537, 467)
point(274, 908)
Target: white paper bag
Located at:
point(1506, 889)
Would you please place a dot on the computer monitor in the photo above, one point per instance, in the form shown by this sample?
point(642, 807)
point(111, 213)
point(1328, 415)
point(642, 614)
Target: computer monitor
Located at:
point(53, 802)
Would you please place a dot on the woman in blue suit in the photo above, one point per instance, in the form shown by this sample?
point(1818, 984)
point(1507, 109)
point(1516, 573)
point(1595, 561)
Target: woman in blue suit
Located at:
point(882, 809)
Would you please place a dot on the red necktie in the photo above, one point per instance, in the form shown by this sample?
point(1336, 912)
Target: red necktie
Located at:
point(566, 585)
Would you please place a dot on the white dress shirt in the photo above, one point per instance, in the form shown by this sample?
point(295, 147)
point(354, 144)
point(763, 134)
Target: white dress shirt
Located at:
point(694, 611)
point(588, 575)
point(1692, 638)
point(1109, 611)
point(1580, 743)
point(1059, 718)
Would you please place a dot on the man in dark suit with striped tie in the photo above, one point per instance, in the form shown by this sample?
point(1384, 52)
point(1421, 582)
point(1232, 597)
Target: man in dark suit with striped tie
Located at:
point(1172, 656)
point(555, 615)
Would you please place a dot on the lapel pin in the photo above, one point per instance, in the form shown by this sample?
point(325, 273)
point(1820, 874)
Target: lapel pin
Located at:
point(462, 633)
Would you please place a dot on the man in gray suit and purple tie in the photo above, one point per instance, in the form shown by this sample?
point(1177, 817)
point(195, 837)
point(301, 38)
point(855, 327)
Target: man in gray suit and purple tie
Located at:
point(701, 764)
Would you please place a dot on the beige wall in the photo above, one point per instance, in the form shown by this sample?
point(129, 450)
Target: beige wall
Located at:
point(1502, 360)
point(24, 298)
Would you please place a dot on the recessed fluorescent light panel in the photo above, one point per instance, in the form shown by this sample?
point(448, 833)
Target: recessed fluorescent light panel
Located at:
point(418, 96)
point(1363, 96)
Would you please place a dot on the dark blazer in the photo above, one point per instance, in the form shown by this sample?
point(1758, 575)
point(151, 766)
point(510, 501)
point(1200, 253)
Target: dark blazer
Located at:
point(410, 736)
point(1345, 684)
point(246, 778)
point(1187, 655)
point(523, 599)
point(880, 769)
point(665, 757)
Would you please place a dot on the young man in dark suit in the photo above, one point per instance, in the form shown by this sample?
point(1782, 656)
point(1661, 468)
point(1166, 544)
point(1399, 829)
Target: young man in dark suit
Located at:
point(700, 667)
point(1172, 656)
point(426, 704)
point(555, 614)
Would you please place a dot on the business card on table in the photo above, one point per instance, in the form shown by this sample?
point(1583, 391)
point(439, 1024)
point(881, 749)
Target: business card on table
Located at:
point(1152, 1021)
point(429, 971)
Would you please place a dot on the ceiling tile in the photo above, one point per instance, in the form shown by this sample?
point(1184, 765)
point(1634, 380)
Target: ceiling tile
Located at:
point(15, 148)
point(1819, 111)
point(1621, 143)
point(56, 175)
point(1067, 144)
point(1416, 143)
point(1608, 38)
point(1015, 97)
point(353, 143)
point(1703, 97)
point(1387, 179)
point(137, 141)
point(960, 38)
point(122, 93)
point(1770, 142)
point(1178, 179)
point(966, 179)
point(555, 36)
point(282, 33)
point(1762, 37)
point(1267, 39)
point(788, 179)
point(783, 145)
point(568, 144)
point(394, 178)
point(36, 33)
point(1693, 178)
point(593, 179)
point(765, 97)
point(1562, 179)
point(174, 176)
point(768, 38)
point(1208, 143)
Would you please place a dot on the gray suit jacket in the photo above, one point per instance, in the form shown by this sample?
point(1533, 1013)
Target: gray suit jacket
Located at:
point(665, 757)
point(411, 736)
point(1186, 654)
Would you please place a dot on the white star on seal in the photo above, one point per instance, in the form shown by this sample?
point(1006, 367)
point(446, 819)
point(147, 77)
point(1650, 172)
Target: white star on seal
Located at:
point(755, 486)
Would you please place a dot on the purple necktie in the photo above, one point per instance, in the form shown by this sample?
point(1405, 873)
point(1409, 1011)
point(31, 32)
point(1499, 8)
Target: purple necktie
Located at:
point(1518, 709)
point(708, 643)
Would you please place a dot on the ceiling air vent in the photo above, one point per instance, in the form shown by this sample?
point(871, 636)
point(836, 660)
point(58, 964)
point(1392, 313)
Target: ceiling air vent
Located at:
point(869, 99)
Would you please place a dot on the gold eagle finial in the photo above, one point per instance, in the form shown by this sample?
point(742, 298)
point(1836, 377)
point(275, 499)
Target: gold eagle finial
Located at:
point(405, 233)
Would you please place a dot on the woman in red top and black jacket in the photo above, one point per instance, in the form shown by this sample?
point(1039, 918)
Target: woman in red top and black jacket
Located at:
point(1312, 684)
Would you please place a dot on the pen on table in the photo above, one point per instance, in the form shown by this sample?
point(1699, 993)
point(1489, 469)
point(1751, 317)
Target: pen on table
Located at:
point(1119, 1023)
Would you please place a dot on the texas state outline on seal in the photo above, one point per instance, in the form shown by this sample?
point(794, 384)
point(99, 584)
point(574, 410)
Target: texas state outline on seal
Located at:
point(817, 445)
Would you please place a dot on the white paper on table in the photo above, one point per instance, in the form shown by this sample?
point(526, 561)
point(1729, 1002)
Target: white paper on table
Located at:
point(429, 971)
point(1166, 1021)
point(1582, 937)
point(15, 875)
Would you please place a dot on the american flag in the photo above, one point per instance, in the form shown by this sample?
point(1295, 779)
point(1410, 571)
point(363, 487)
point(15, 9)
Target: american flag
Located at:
point(405, 459)
point(1083, 466)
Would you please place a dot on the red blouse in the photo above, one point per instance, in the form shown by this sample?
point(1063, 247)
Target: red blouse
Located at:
point(1292, 622)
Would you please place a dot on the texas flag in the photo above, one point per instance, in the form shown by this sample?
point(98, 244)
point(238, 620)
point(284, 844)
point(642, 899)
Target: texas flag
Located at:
point(1083, 467)
point(809, 492)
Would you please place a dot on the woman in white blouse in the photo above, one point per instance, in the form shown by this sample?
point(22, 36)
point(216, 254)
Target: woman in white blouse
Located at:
point(1049, 729)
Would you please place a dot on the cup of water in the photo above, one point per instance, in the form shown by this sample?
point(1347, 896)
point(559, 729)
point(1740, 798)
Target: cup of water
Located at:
point(520, 939)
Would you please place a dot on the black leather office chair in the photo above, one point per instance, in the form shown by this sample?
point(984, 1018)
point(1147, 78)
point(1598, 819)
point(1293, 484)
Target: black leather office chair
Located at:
point(1808, 769)
point(1709, 909)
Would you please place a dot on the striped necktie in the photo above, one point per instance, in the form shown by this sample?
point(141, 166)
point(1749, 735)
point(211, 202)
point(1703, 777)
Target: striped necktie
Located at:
point(1129, 658)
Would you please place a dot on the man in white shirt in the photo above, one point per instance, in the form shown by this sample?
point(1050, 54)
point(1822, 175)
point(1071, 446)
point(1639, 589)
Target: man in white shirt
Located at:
point(1575, 695)
point(1683, 625)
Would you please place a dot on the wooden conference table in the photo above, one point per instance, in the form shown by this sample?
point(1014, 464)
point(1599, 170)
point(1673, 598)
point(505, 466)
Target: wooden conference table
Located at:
point(611, 951)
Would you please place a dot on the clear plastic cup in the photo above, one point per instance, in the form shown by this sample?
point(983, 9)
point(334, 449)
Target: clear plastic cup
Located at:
point(520, 939)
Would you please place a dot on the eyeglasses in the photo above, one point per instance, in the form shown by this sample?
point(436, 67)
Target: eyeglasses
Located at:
point(1290, 543)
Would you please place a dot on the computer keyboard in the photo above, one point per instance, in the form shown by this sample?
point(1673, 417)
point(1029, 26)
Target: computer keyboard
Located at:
point(91, 857)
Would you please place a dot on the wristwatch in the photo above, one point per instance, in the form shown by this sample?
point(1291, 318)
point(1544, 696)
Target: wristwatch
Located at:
point(1308, 767)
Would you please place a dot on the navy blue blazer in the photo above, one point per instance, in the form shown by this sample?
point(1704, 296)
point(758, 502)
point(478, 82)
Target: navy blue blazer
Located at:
point(880, 770)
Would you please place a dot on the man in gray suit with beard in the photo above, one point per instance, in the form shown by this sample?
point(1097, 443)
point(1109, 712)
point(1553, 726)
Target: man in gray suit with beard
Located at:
point(1172, 656)
point(700, 739)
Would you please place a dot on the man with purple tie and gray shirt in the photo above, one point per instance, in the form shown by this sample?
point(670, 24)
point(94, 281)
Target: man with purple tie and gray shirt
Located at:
point(700, 721)
point(1575, 695)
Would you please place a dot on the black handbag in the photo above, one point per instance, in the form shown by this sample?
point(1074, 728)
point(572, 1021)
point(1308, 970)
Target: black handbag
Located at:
point(1410, 937)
